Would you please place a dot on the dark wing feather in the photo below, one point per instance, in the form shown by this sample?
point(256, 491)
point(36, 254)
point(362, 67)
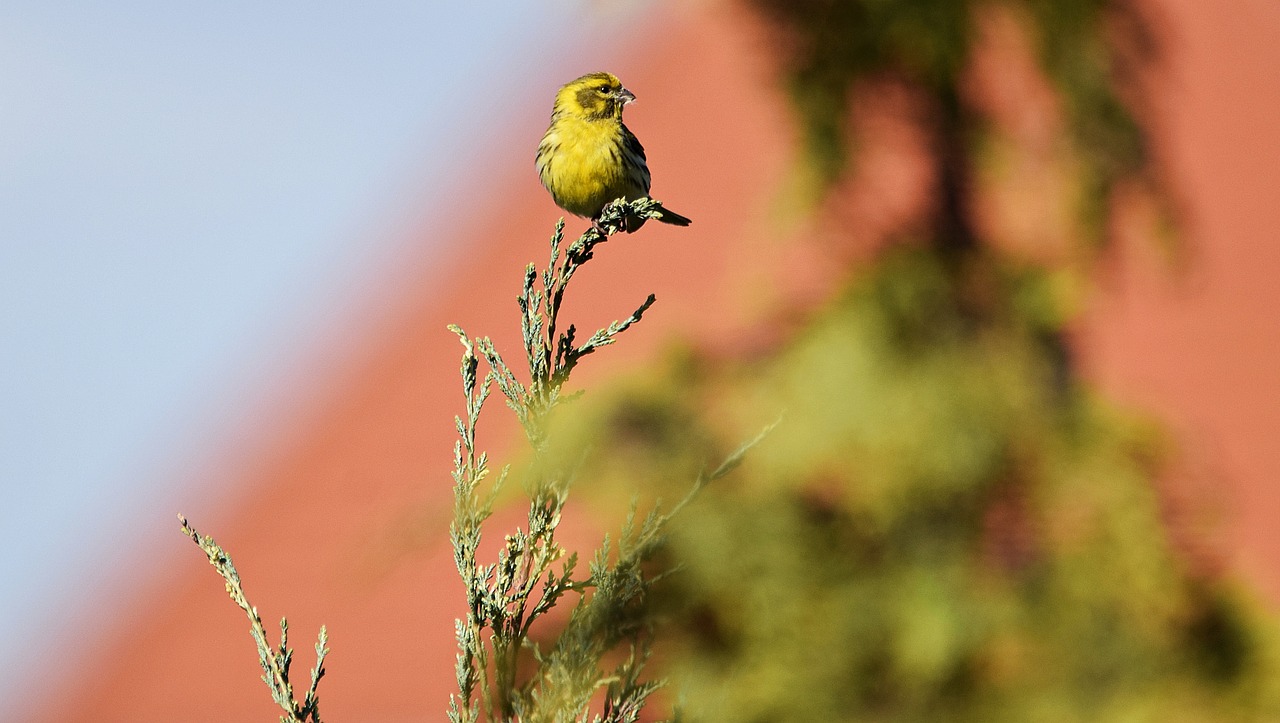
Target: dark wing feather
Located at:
point(637, 164)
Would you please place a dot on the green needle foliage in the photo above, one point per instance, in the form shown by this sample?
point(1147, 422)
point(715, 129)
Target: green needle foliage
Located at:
point(275, 661)
point(504, 672)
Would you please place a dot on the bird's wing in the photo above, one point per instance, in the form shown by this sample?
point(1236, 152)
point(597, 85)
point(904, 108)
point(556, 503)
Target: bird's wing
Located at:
point(636, 162)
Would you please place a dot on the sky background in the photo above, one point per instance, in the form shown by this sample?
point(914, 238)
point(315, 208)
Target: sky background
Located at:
point(189, 194)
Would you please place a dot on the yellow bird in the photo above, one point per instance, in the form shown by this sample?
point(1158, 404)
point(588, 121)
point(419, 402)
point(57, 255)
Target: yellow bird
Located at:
point(588, 157)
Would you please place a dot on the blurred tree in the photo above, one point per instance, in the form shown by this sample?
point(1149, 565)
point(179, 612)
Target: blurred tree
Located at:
point(948, 525)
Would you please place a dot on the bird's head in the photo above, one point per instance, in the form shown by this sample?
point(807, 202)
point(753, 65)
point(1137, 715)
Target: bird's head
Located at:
point(595, 96)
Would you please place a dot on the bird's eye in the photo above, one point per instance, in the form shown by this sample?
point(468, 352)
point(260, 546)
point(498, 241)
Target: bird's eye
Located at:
point(604, 89)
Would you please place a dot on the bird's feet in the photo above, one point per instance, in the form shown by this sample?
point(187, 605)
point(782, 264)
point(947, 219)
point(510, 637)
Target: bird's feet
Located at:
point(599, 227)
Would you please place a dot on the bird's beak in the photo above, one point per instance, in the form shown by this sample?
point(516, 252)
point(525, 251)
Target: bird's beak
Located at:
point(625, 96)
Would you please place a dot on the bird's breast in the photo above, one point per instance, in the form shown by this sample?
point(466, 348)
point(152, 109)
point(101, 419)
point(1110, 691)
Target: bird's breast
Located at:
point(581, 164)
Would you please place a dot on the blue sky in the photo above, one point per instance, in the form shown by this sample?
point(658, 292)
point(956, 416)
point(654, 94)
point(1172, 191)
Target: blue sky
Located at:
point(188, 191)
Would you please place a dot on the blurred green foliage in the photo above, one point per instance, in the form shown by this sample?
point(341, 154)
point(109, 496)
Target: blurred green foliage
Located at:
point(937, 530)
point(1087, 49)
point(948, 524)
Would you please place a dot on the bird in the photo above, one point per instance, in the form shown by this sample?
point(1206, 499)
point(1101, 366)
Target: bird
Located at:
point(589, 158)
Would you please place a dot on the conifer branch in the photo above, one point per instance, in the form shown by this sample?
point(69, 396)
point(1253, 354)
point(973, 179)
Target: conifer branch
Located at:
point(275, 661)
point(533, 572)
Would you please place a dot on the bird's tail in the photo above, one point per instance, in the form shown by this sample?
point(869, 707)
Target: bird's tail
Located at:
point(632, 223)
point(673, 218)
